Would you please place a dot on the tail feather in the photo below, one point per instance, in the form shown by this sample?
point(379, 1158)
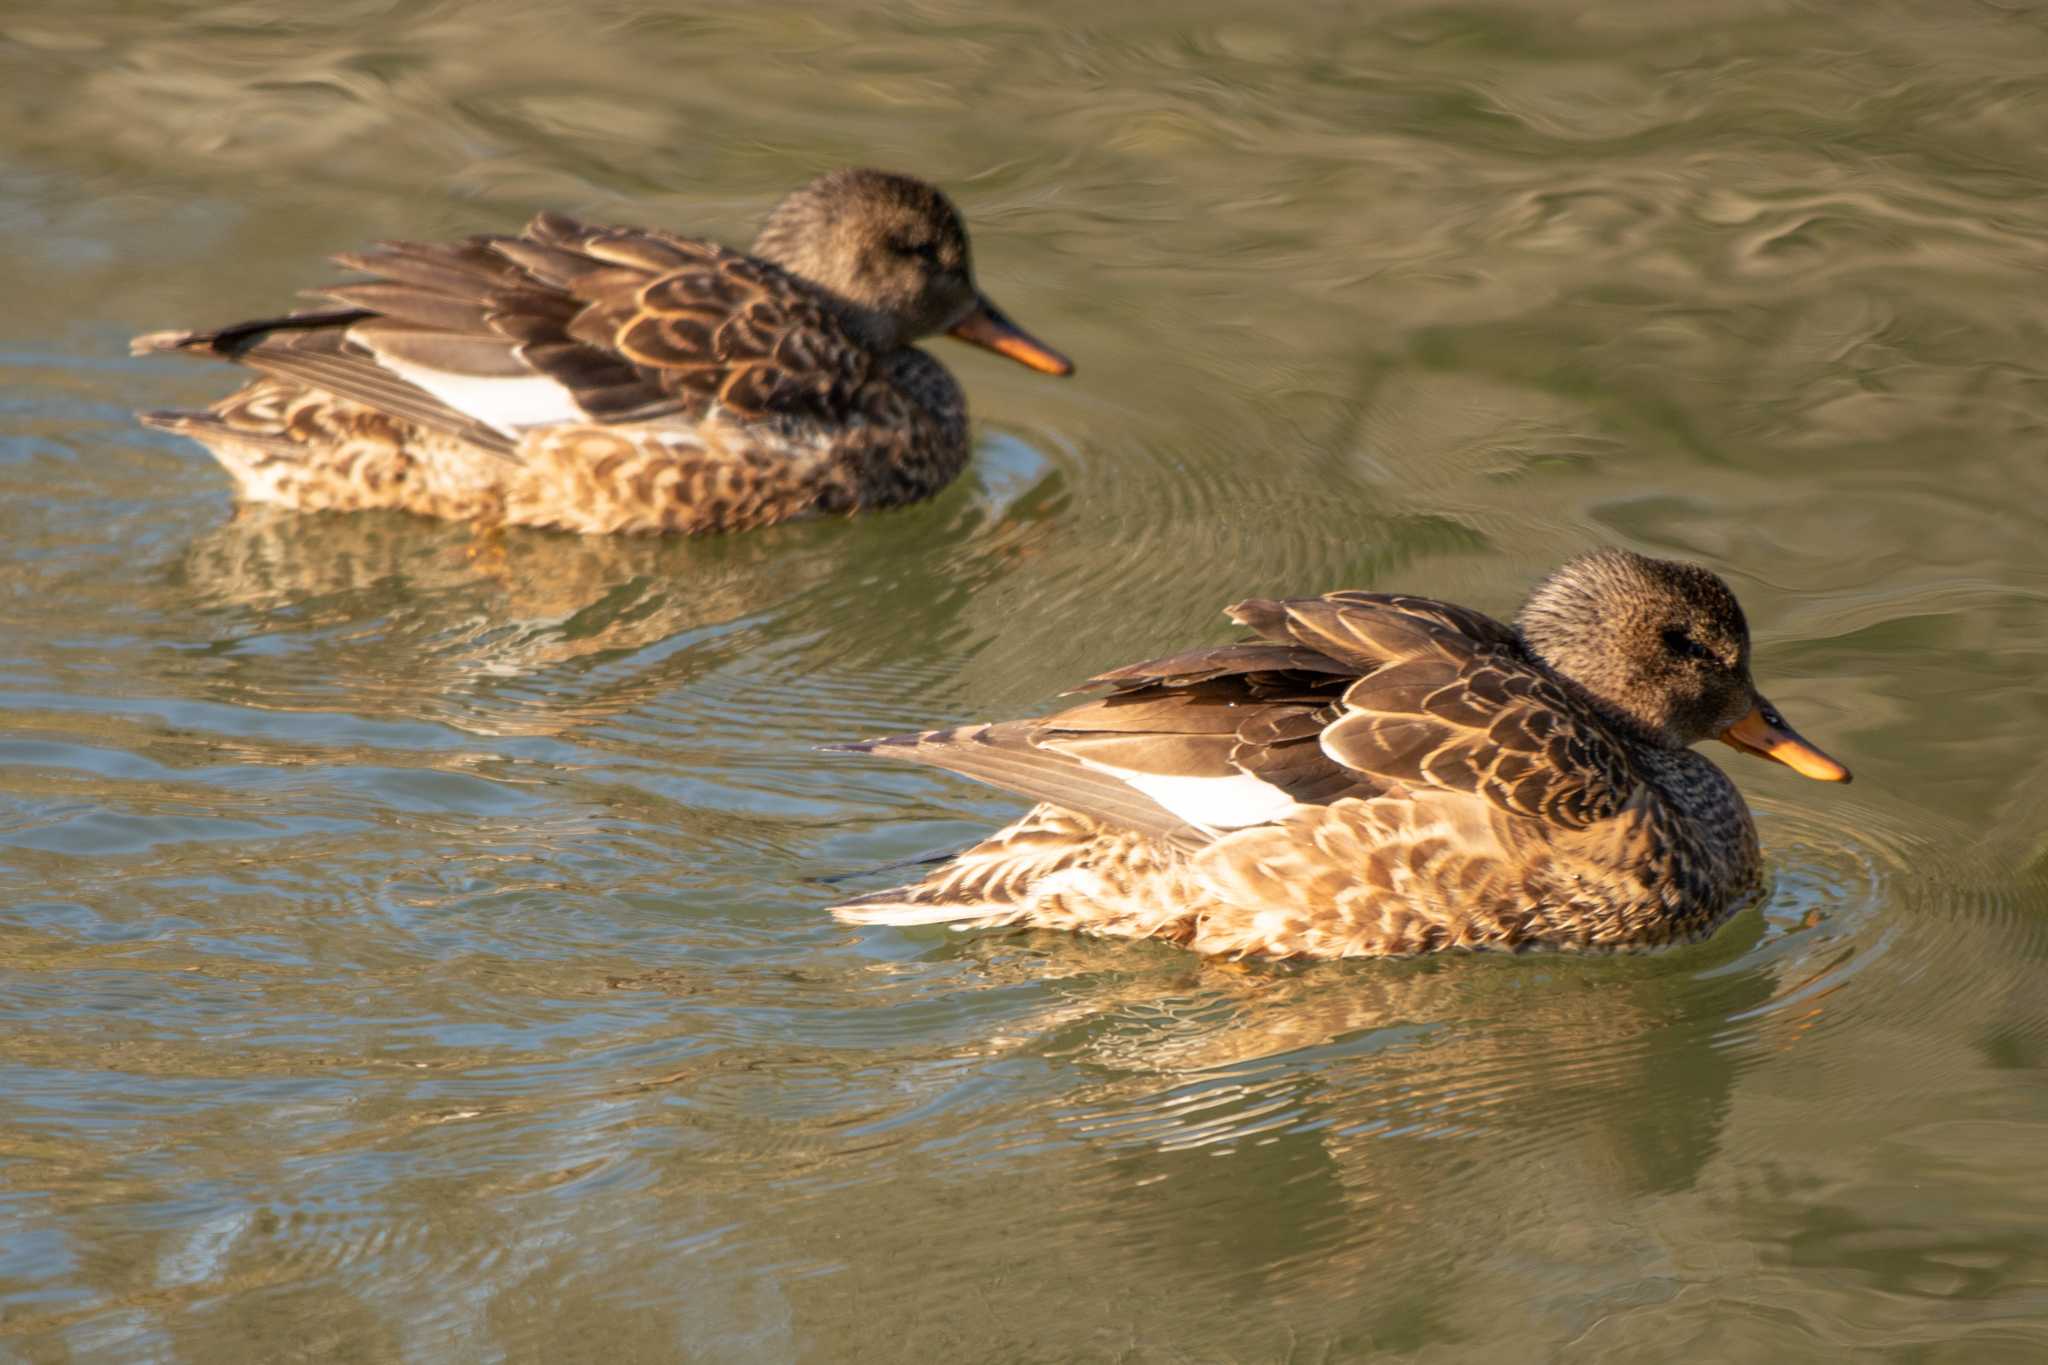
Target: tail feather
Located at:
point(312, 350)
point(178, 339)
point(229, 343)
point(218, 435)
point(1052, 868)
point(1005, 755)
point(893, 907)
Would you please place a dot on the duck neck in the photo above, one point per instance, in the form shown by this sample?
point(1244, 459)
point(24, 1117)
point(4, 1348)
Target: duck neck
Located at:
point(1613, 717)
point(877, 331)
point(789, 242)
point(924, 381)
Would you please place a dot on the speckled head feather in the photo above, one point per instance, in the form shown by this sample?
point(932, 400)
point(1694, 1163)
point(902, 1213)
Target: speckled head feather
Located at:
point(889, 250)
point(1663, 646)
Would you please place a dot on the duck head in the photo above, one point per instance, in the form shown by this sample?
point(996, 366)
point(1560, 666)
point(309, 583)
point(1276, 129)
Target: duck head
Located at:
point(892, 253)
point(1664, 647)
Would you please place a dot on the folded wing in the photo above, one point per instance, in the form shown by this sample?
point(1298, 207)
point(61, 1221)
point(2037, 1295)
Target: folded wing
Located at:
point(1448, 699)
point(1347, 695)
point(564, 323)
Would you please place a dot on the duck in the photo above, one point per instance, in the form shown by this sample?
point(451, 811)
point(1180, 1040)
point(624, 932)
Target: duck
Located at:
point(1380, 775)
point(620, 380)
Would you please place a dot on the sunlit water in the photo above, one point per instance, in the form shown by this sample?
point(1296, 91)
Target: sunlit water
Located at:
point(413, 943)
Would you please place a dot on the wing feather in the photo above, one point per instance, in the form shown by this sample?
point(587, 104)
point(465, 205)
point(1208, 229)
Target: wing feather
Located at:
point(1349, 695)
point(325, 361)
point(628, 324)
point(1484, 719)
point(1004, 756)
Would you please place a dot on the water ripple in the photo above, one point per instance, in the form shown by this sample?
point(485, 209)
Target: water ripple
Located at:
point(414, 940)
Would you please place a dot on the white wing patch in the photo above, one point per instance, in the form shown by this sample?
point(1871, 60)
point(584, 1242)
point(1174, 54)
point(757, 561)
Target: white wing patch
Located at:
point(1213, 802)
point(507, 404)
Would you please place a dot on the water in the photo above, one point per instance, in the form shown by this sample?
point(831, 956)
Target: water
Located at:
point(413, 945)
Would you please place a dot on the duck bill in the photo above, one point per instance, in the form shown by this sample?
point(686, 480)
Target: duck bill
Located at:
point(1763, 732)
point(986, 327)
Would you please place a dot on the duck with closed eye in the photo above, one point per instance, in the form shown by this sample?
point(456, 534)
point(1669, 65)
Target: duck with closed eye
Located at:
point(609, 379)
point(1374, 774)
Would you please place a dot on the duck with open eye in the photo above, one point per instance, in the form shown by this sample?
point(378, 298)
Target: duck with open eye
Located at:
point(1373, 774)
point(608, 379)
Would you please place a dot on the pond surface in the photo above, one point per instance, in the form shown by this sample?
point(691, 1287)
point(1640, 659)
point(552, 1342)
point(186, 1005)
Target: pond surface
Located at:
point(413, 947)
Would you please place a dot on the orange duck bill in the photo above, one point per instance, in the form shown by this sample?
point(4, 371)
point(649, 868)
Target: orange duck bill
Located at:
point(1763, 732)
point(987, 327)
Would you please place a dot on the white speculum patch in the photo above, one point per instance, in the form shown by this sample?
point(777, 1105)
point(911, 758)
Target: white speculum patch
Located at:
point(507, 404)
point(1215, 802)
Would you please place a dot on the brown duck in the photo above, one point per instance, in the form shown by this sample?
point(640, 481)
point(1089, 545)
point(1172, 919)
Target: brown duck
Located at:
point(1375, 774)
point(608, 379)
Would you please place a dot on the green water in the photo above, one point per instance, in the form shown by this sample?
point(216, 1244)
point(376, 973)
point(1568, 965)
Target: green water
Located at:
point(414, 949)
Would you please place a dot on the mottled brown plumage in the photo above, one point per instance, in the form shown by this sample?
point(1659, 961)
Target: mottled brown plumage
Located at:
point(606, 379)
point(1376, 774)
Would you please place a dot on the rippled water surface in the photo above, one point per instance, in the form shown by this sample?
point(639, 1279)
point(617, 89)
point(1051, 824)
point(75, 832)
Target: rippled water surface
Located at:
point(412, 945)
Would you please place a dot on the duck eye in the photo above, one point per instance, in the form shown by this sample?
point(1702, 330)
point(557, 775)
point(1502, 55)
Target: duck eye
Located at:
point(1683, 645)
point(924, 251)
